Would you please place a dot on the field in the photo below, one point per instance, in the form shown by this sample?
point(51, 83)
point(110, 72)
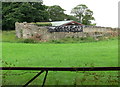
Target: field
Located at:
point(89, 54)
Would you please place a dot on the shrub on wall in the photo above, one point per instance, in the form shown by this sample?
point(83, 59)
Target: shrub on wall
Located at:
point(43, 24)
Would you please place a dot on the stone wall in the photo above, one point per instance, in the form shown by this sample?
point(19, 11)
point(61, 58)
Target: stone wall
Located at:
point(29, 30)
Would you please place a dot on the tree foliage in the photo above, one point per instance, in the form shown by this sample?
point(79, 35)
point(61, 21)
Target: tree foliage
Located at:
point(83, 14)
point(37, 12)
point(71, 17)
point(56, 13)
point(22, 12)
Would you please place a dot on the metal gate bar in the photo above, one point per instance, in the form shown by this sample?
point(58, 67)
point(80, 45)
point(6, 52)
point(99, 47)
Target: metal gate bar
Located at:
point(44, 79)
point(33, 78)
point(63, 68)
point(59, 69)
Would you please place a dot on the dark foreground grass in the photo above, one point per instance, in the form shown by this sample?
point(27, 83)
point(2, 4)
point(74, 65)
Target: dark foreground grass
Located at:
point(94, 54)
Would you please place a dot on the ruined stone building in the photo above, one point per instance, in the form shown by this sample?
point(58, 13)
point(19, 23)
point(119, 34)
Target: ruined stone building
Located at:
point(61, 29)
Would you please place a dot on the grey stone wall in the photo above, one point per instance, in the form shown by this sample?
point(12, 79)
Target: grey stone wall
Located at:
point(29, 30)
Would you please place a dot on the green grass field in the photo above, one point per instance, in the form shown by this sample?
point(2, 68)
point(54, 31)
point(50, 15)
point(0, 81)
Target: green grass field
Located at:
point(89, 54)
point(103, 53)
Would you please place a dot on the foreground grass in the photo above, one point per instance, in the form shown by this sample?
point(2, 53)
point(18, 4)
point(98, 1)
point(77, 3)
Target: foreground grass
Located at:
point(94, 54)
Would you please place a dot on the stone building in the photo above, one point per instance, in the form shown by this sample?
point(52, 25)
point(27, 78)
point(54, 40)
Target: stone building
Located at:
point(61, 29)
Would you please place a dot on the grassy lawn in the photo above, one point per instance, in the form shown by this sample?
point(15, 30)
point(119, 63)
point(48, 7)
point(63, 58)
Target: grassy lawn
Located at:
point(97, 54)
point(9, 36)
point(102, 53)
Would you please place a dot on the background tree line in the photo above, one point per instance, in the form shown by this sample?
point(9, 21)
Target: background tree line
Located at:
point(38, 12)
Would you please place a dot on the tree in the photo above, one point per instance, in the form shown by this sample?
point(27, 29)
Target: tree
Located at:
point(8, 18)
point(88, 17)
point(22, 12)
point(71, 17)
point(56, 13)
point(83, 14)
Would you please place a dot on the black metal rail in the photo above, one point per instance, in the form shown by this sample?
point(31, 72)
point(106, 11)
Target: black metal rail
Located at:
point(63, 68)
point(46, 69)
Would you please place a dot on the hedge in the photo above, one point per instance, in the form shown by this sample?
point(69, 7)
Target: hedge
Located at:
point(43, 24)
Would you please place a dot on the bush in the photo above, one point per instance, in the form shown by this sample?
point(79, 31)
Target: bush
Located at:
point(78, 39)
point(43, 24)
point(87, 39)
point(29, 41)
point(55, 41)
point(74, 40)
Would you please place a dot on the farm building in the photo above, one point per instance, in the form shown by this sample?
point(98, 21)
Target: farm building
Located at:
point(65, 26)
point(46, 31)
point(64, 23)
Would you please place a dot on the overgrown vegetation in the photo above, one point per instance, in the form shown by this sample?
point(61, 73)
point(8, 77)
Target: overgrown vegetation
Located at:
point(9, 36)
point(74, 40)
point(43, 24)
point(29, 41)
